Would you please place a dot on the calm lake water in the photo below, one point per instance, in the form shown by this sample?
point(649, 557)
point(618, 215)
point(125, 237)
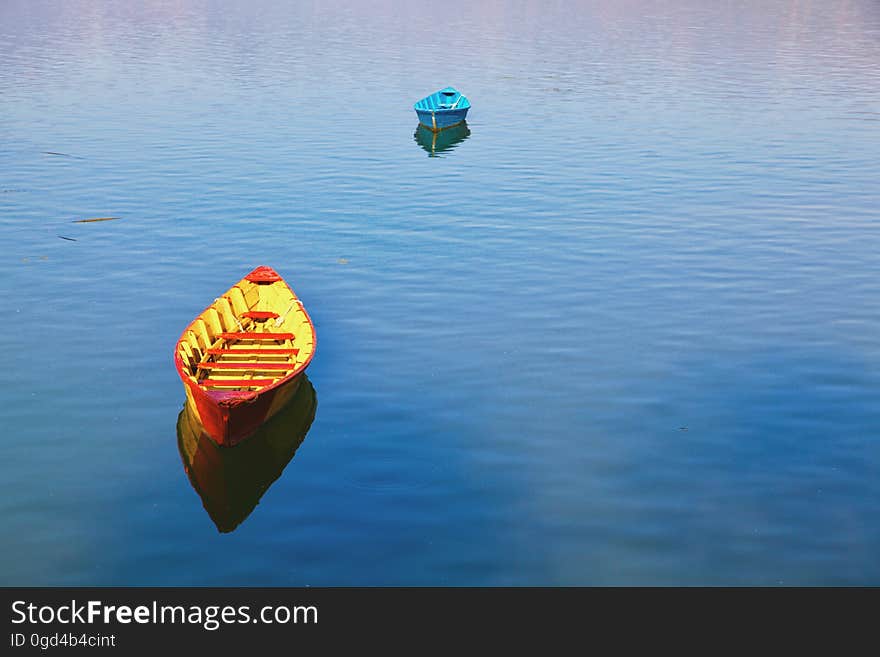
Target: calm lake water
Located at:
point(623, 329)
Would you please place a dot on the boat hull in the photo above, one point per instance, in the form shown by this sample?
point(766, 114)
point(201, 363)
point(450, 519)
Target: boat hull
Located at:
point(231, 417)
point(437, 120)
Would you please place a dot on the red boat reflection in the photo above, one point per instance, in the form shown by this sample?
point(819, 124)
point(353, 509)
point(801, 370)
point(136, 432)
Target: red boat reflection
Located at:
point(231, 480)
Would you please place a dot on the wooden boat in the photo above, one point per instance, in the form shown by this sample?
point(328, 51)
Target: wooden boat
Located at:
point(242, 358)
point(437, 142)
point(231, 480)
point(442, 109)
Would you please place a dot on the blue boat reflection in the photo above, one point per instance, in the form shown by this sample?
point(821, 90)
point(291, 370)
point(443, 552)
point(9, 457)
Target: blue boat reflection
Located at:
point(231, 480)
point(437, 142)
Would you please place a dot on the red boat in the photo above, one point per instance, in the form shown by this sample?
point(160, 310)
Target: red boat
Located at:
point(242, 358)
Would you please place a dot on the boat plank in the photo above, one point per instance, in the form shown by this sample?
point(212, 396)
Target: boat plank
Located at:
point(253, 352)
point(260, 314)
point(257, 336)
point(246, 366)
point(235, 383)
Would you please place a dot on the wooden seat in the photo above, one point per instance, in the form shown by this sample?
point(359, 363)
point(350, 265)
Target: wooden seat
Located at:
point(253, 352)
point(246, 366)
point(260, 314)
point(257, 336)
point(235, 383)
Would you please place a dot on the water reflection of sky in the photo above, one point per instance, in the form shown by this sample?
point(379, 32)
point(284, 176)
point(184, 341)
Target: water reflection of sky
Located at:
point(625, 332)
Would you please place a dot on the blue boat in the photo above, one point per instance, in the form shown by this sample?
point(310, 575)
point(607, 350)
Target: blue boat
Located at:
point(442, 109)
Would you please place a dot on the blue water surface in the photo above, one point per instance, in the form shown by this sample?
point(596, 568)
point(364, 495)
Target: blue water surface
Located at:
point(622, 330)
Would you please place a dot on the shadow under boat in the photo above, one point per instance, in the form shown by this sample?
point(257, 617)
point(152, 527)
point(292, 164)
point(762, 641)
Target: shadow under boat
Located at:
point(231, 480)
point(445, 140)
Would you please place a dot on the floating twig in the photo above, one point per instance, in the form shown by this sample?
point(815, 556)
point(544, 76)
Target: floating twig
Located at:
point(69, 239)
point(88, 221)
point(62, 154)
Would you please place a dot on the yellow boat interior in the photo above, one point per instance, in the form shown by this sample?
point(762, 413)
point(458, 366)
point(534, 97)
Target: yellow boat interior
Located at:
point(254, 335)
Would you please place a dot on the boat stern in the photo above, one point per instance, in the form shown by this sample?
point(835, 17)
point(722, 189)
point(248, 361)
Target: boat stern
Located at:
point(437, 120)
point(230, 417)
